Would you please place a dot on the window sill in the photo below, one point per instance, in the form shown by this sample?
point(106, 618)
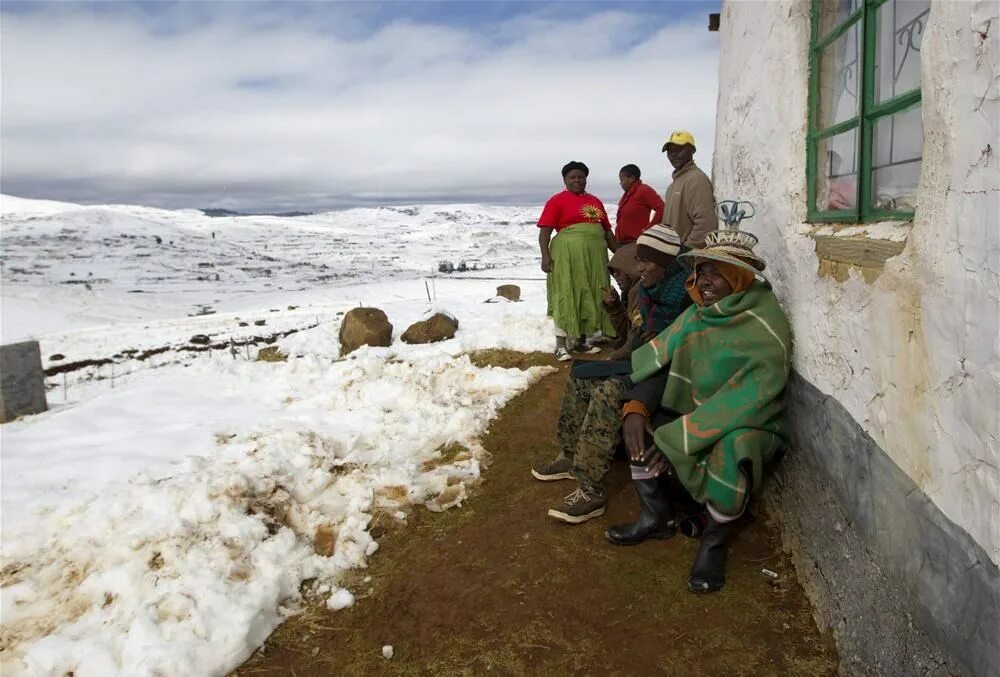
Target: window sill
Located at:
point(866, 246)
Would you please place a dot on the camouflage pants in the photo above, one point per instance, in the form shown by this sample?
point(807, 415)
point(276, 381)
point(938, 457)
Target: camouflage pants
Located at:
point(590, 424)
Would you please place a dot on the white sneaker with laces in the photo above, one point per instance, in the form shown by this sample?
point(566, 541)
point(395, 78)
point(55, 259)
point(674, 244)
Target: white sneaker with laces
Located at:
point(563, 355)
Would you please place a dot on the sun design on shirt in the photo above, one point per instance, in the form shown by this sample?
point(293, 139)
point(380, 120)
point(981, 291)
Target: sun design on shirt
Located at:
point(592, 213)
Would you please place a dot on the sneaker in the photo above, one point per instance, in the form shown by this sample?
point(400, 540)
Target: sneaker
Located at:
point(583, 504)
point(563, 355)
point(585, 348)
point(558, 469)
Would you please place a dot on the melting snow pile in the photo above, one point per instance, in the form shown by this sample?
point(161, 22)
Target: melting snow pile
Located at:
point(164, 524)
point(186, 572)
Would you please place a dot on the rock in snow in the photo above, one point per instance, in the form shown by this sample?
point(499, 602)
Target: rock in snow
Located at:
point(438, 327)
point(364, 327)
point(509, 291)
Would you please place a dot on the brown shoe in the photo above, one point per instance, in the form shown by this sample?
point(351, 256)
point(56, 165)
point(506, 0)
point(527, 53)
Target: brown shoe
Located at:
point(584, 504)
point(558, 469)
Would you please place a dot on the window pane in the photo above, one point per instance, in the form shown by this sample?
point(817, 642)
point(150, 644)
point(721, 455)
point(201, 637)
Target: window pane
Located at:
point(837, 172)
point(898, 143)
point(839, 80)
point(897, 55)
point(832, 13)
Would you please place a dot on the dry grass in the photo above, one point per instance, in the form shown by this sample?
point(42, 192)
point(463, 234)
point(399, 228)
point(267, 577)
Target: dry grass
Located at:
point(511, 359)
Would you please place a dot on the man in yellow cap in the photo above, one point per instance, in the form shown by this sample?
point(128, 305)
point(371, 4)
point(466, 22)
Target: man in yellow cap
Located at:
point(690, 202)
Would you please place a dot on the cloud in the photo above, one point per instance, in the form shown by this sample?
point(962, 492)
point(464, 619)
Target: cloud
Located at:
point(266, 109)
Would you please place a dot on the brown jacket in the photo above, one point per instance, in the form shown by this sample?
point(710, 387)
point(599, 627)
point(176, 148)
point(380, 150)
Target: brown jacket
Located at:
point(690, 206)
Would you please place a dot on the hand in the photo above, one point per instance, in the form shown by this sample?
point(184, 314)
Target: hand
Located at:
point(546, 265)
point(610, 296)
point(634, 432)
point(656, 462)
point(647, 336)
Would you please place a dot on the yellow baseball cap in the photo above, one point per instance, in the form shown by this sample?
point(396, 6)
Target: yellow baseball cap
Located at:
point(679, 139)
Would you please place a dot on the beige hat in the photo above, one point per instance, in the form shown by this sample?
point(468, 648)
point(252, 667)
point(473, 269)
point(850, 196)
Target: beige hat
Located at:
point(728, 246)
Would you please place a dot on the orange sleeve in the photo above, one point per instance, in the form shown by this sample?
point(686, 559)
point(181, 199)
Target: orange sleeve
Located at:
point(635, 407)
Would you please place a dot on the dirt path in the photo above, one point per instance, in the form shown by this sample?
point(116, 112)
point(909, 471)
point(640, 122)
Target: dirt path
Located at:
point(497, 587)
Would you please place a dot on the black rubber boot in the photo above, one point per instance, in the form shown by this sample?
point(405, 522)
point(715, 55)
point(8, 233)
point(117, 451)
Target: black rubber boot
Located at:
point(656, 515)
point(693, 525)
point(708, 573)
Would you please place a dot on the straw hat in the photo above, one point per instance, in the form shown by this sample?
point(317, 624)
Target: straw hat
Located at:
point(728, 246)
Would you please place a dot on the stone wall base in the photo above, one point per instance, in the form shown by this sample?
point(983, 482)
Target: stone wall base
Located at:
point(904, 589)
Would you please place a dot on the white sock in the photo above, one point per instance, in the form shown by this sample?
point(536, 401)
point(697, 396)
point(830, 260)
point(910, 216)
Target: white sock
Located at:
point(721, 518)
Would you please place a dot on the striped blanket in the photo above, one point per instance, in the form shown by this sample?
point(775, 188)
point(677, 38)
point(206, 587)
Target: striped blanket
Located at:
point(728, 364)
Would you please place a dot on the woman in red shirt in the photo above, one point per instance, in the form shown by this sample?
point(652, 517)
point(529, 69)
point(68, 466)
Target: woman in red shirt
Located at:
point(635, 206)
point(576, 259)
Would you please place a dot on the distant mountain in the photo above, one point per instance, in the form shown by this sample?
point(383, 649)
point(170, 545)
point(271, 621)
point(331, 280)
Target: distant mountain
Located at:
point(228, 212)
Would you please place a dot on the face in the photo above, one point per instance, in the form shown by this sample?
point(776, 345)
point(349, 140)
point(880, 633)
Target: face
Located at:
point(711, 284)
point(622, 280)
point(626, 181)
point(576, 181)
point(650, 274)
point(679, 155)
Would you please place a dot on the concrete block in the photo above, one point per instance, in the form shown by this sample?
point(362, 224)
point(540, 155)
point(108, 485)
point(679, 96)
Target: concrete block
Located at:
point(22, 381)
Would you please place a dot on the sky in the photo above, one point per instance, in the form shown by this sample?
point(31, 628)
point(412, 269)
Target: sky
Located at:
point(311, 106)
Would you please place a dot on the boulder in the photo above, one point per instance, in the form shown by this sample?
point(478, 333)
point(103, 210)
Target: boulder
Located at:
point(364, 327)
point(438, 327)
point(200, 340)
point(509, 291)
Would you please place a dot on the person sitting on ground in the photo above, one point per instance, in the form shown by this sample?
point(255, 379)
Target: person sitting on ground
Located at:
point(575, 261)
point(589, 426)
point(624, 268)
point(637, 203)
point(709, 390)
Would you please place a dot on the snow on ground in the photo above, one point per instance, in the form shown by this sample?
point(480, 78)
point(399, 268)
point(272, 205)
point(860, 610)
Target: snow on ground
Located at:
point(161, 518)
point(100, 264)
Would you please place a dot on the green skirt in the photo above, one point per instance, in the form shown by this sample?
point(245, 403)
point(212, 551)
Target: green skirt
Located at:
point(576, 284)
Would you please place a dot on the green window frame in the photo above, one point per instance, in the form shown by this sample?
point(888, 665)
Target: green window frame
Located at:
point(861, 18)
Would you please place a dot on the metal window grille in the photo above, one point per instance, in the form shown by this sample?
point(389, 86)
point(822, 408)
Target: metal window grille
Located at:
point(864, 132)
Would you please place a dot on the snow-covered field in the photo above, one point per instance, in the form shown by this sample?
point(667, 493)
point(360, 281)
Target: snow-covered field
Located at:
point(163, 516)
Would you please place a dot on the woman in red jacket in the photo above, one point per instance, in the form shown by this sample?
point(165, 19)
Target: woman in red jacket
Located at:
point(635, 206)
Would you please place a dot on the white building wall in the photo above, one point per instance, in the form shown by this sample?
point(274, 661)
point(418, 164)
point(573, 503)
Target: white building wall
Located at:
point(914, 356)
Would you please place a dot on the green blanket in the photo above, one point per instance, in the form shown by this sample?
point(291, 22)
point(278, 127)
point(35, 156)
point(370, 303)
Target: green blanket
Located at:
point(577, 281)
point(728, 365)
